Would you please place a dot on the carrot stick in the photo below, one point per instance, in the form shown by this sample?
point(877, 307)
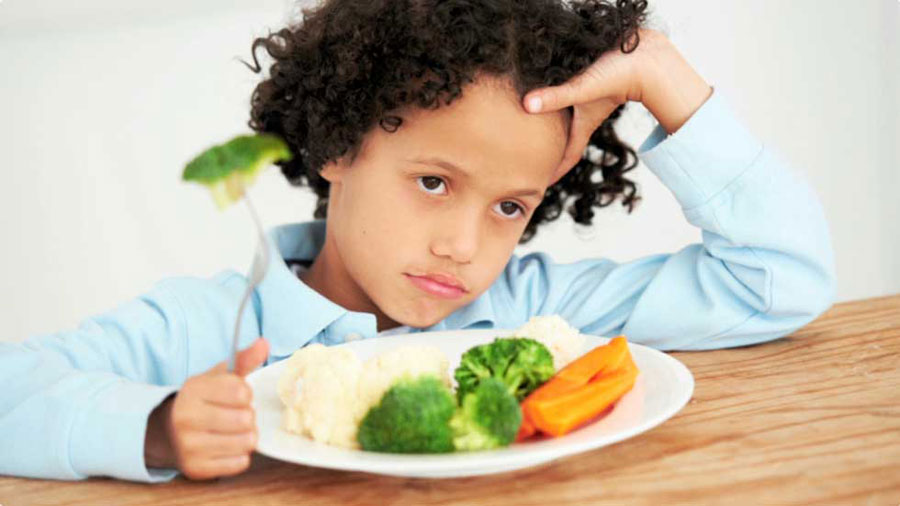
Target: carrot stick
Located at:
point(553, 387)
point(526, 430)
point(602, 358)
point(542, 408)
point(558, 415)
point(627, 364)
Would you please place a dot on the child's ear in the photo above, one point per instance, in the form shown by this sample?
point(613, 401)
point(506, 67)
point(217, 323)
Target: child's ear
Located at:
point(334, 170)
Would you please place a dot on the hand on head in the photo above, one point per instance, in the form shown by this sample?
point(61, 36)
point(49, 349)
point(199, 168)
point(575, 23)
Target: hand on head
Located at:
point(654, 73)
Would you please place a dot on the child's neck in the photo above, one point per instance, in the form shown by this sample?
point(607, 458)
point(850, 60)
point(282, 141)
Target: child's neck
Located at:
point(328, 277)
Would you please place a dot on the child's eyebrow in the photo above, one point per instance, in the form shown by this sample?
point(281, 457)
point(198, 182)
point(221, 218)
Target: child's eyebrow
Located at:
point(440, 162)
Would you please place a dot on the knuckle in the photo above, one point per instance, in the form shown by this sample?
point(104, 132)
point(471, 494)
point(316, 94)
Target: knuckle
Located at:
point(245, 419)
point(247, 392)
point(239, 390)
point(235, 419)
point(242, 463)
point(223, 381)
point(192, 470)
point(235, 465)
point(190, 446)
point(195, 382)
point(553, 97)
point(250, 441)
point(180, 419)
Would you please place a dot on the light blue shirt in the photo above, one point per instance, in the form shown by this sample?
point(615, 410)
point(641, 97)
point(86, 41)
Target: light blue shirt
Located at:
point(75, 404)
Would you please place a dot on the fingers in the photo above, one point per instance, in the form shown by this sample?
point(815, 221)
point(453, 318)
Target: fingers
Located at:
point(612, 77)
point(579, 135)
point(247, 360)
point(227, 420)
point(551, 98)
point(223, 389)
point(252, 357)
point(206, 445)
point(216, 419)
point(585, 121)
point(212, 425)
point(211, 468)
point(582, 88)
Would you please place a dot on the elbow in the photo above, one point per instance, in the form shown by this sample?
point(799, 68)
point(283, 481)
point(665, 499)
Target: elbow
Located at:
point(822, 294)
point(822, 281)
point(805, 293)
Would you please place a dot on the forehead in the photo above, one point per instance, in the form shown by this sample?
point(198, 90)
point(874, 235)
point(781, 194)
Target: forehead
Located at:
point(485, 132)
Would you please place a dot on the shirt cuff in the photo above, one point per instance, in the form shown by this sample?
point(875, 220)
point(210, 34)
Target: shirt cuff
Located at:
point(704, 156)
point(107, 437)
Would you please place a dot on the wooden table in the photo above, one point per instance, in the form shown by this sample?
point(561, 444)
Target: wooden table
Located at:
point(810, 419)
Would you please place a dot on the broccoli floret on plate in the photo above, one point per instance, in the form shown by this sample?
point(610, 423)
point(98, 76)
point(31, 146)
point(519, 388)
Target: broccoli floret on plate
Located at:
point(489, 417)
point(522, 364)
point(412, 417)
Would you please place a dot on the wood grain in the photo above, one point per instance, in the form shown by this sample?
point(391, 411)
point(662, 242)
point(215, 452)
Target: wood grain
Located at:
point(813, 418)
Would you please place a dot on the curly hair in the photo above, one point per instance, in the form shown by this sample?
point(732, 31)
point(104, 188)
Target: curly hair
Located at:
point(349, 65)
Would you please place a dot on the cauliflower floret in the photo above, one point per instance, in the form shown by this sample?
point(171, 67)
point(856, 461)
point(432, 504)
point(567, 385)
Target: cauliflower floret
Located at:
point(563, 340)
point(337, 389)
point(324, 408)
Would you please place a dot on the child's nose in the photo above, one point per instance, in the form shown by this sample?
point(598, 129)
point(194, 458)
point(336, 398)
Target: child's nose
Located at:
point(457, 238)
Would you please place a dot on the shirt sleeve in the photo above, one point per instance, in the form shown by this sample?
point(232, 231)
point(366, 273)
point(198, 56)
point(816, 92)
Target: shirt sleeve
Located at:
point(764, 268)
point(75, 404)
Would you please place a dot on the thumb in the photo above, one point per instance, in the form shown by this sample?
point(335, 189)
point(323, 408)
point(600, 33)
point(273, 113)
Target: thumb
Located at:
point(251, 357)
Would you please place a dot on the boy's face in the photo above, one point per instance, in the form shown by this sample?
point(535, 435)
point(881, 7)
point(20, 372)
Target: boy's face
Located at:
point(401, 213)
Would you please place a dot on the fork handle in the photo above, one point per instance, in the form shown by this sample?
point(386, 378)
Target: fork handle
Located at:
point(232, 360)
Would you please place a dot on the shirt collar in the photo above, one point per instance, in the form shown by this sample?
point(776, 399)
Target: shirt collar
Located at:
point(292, 314)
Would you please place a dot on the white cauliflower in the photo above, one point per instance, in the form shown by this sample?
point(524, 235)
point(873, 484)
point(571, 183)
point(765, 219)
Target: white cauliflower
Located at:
point(324, 408)
point(337, 389)
point(563, 340)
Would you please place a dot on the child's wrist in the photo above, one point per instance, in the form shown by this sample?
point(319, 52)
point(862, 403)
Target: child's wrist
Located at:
point(158, 450)
point(670, 88)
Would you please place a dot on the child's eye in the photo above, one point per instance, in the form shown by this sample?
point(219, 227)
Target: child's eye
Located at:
point(432, 183)
point(509, 209)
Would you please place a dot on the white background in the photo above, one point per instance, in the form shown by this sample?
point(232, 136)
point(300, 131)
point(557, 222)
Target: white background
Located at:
point(102, 102)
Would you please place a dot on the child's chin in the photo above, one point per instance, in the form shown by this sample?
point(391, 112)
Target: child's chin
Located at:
point(423, 319)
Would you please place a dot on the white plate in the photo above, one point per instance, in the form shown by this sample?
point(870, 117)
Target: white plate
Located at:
point(662, 388)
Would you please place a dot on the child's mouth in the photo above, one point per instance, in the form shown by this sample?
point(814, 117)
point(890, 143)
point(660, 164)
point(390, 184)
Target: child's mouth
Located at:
point(436, 288)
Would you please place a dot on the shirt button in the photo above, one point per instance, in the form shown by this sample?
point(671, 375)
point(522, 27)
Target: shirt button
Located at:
point(353, 336)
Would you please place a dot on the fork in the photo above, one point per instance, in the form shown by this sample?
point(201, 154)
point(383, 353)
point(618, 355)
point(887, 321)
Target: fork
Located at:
point(257, 273)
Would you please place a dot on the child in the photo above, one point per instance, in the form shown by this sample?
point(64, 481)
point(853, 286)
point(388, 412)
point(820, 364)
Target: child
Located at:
point(409, 121)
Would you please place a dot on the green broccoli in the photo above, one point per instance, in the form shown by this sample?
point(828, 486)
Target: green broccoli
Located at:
point(488, 418)
point(412, 417)
point(522, 364)
point(231, 167)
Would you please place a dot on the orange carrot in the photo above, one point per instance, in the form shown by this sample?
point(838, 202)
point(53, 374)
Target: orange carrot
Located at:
point(602, 358)
point(627, 364)
point(582, 389)
point(527, 429)
point(553, 387)
point(559, 415)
